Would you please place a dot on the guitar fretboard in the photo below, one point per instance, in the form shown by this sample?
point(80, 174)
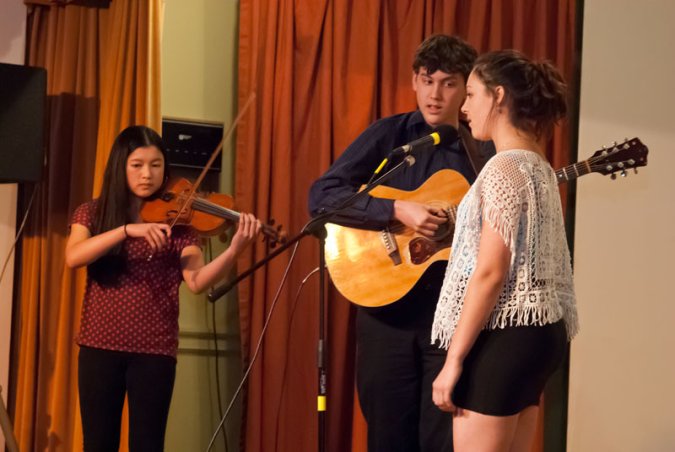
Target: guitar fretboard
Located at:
point(573, 171)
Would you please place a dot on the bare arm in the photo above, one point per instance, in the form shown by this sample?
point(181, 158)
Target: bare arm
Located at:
point(199, 276)
point(83, 248)
point(492, 265)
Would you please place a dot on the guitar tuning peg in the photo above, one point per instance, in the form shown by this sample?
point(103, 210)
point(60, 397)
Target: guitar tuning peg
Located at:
point(613, 176)
point(623, 173)
point(635, 170)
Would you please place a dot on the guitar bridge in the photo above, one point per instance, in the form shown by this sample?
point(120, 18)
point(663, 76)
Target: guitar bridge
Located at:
point(390, 245)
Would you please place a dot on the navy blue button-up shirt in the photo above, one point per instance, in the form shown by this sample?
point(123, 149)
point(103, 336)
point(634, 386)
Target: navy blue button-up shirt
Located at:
point(358, 162)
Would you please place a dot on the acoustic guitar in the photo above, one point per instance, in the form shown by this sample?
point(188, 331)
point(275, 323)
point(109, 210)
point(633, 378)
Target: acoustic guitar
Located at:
point(375, 268)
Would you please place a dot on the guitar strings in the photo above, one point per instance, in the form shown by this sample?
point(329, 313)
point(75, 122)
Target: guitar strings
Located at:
point(400, 227)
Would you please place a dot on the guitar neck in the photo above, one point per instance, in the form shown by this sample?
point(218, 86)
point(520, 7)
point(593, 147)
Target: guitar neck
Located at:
point(573, 171)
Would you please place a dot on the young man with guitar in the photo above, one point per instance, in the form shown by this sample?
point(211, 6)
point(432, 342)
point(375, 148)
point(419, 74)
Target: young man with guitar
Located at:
point(396, 363)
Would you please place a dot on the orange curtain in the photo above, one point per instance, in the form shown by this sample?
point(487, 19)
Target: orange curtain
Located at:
point(322, 71)
point(102, 75)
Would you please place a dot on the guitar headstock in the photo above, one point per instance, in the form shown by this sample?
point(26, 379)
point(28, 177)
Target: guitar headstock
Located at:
point(618, 158)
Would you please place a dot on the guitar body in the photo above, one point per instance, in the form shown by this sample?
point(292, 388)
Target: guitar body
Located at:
point(359, 260)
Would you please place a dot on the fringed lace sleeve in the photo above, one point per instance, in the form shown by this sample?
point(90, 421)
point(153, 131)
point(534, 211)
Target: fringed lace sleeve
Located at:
point(501, 199)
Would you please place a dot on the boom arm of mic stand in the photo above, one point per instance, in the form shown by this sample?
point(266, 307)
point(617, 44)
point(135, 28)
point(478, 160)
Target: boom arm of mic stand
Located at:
point(314, 227)
point(220, 291)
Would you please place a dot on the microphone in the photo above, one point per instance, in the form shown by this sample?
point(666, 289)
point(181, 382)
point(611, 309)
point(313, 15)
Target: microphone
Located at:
point(443, 133)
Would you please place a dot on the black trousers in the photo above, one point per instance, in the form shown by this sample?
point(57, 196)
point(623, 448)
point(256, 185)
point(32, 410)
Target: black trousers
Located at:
point(396, 365)
point(104, 377)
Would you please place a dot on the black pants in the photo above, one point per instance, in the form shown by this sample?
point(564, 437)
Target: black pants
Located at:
point(104, 377)
point(396, 365)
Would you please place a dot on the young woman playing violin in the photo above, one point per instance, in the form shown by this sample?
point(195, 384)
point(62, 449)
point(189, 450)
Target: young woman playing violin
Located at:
point(129, 328)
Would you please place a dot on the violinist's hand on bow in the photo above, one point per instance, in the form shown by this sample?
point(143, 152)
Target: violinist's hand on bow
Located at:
point(420, 218)
point(247, 230)
point(156, 234)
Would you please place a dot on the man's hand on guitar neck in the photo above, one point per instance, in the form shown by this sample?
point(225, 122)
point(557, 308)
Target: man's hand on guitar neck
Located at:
point(421, 218)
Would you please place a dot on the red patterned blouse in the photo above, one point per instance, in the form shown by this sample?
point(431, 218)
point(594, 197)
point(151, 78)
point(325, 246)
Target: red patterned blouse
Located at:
point(140, 312)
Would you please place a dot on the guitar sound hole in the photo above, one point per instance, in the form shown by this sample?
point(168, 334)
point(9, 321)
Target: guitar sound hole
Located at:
point(444, 231)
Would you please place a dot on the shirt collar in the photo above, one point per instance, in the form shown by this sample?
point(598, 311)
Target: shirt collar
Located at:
point(418, 124)
point(417, 121)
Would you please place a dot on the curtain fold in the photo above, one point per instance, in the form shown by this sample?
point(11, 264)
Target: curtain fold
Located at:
point(130, 74)
point(322, 71)
point(84, 108)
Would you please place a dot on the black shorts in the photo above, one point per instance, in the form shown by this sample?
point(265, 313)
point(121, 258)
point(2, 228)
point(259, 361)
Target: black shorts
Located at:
point(507, 369)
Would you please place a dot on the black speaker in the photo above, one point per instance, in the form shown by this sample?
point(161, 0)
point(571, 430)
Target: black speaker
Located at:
point(191, 143)
point(23, 93)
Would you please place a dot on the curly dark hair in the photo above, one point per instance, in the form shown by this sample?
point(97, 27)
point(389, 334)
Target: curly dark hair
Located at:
point(449, 54)
point(535, 92)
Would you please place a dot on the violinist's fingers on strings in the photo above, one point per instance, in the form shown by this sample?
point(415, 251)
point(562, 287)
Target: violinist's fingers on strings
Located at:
point(249, 225)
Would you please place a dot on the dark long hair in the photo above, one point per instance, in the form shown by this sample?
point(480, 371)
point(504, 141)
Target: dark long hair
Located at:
point(534, 91)
point(113, 204)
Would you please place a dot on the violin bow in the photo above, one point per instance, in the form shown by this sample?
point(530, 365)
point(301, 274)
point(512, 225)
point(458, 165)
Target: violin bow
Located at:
point(214, 154)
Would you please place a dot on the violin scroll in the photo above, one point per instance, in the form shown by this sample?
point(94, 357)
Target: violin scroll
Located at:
point(274, 234)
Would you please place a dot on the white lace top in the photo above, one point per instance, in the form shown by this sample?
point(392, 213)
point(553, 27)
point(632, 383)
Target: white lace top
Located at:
point(517, 194)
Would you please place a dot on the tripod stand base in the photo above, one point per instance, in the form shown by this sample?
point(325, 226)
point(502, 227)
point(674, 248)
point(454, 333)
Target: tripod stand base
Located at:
point(7, 428)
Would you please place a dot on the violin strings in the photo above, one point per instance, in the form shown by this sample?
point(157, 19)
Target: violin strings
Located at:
point(214, 209)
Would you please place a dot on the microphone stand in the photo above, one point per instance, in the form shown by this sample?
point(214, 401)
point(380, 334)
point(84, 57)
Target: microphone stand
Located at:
point(316, 227)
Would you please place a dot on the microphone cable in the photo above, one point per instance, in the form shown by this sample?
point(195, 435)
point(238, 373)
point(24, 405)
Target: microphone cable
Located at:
point(257, 349)
point(288, 338)
point(216, 351)
point(18, 234)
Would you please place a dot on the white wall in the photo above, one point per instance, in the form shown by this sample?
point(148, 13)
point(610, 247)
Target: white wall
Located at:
point(12, 45)
point(199, 67)
point(622, 364)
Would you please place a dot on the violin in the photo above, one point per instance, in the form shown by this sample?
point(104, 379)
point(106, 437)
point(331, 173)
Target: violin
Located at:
point(209, 214)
